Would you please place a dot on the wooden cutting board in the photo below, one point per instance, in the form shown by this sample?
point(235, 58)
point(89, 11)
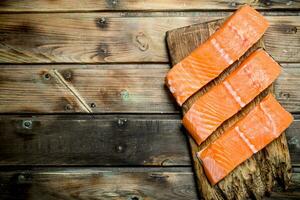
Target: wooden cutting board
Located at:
point(258, 175)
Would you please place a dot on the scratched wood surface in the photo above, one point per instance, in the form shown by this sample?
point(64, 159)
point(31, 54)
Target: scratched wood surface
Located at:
point(96, 38)
point(103, 183)
point(135, 88)
point(63, 139)
point(107, 60)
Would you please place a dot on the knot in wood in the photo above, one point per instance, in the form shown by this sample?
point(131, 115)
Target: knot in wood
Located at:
point(135, 197)
point(112, 3)
point(266, 2)
point(284, 95)
point(67, 75)
point(292, 30)
point(233, 4)
point(27, 124)
point(142, 41)
point(124, 95)
point(102, 22)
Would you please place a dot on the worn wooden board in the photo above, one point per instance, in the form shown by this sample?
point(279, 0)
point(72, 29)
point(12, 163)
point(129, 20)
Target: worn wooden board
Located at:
point(149, 140)
point(98, 183)
point(134, 88)
point(109, 183)
point(118, 37)
point(93, 140)
point(258, 175)
point(149, 5)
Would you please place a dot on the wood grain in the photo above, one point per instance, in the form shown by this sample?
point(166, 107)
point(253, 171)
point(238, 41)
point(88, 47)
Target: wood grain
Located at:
point(93, 140)
point(108, 5)
point(110, 183)
point(103, 140)
point(106, 88)
point(103, 183)
point(256, 176)
point(117, 37)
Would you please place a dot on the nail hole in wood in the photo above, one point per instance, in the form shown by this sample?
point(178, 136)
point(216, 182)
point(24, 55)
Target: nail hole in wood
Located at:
point(68, 107)
point(93, 105)
point(47, 76)
point(21, 178)
point(122, 122)
point(119, 149)
point(102, 22)
point(27, 124)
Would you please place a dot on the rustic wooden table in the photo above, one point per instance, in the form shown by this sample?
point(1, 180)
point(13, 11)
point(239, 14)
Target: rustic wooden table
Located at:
point(84, 111)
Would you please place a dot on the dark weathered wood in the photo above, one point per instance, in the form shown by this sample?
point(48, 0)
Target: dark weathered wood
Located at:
point(107, 38)
point(103, 140)
point(109, 183)
point(106, 88)
point(289, 79)
point(256, 176)
point(96, 5)
point(293, 138)
point(92, 140)
point(103, 183)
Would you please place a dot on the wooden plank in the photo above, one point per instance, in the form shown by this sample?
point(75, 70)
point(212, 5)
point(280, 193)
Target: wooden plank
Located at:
point(117, 37)
point(285, 90)
point(105, 183)
point(110, 183)
point(268, 167)
point(99, 140)
point(135, 88)
point(92, 140)
point(95, 5)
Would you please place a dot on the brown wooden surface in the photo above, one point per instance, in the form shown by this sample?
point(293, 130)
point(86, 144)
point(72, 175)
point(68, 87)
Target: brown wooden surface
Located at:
point(107, 5)
point(93, 140)
point(96, 38)
point(112, 140)
point(135, 88)
point(82, 45)
point(269, 167)
point(110, 183)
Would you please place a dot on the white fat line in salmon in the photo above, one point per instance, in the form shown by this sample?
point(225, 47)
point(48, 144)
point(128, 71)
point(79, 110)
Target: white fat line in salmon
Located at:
point(273, 125)
point(226, 56)
point(234, 94)
point(242, 135)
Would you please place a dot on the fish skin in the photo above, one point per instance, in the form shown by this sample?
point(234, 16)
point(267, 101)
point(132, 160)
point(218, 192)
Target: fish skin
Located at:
point(263, 124)
point(254, 75)
point(238, 33)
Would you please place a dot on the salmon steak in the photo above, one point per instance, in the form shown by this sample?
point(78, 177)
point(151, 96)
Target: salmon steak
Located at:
point(264, 123)
point(209, 111)
point(238, 33)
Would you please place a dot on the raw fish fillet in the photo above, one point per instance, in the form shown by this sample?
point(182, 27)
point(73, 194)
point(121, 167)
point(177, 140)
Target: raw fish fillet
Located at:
point(255, 74)
point(240, 31)
point(252, 133)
